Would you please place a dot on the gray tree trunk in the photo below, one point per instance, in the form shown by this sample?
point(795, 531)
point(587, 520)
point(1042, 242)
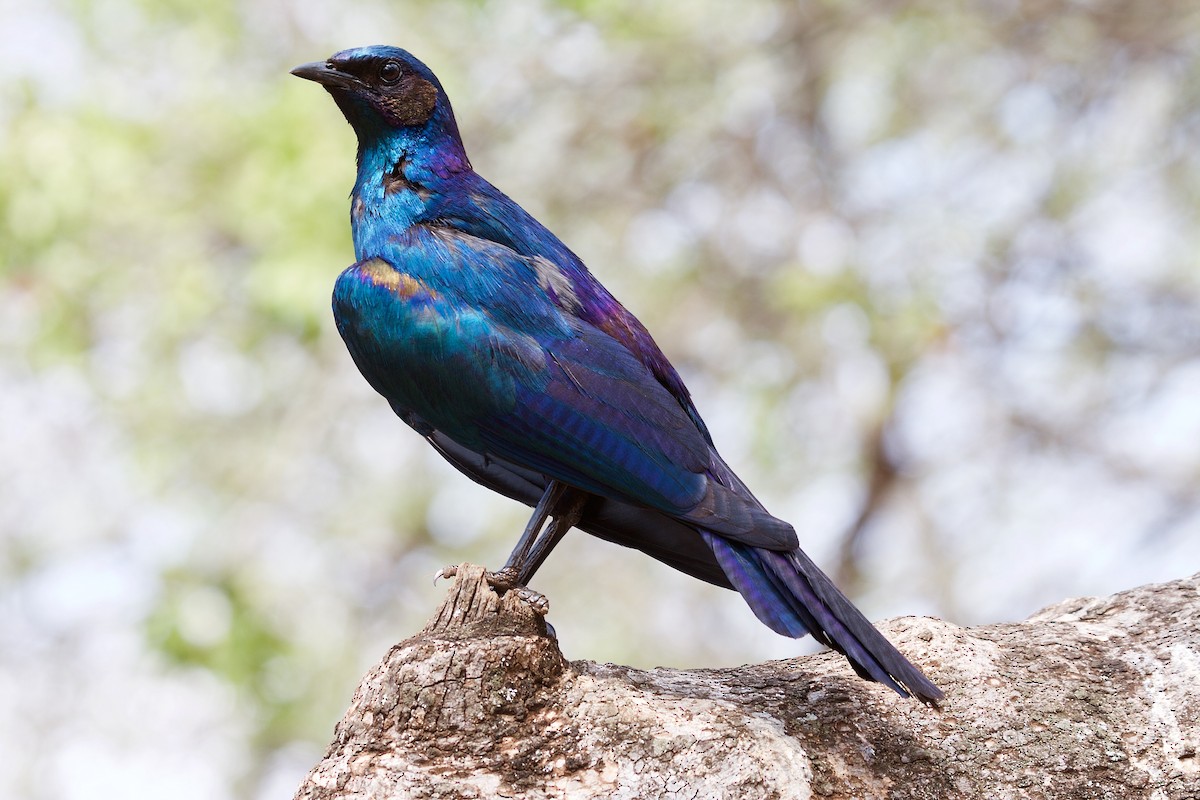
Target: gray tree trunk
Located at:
point(1091, 698)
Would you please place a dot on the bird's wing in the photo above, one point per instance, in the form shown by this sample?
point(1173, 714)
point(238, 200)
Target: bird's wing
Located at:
point(482, 211)
point(482, 355)
point(600, 421)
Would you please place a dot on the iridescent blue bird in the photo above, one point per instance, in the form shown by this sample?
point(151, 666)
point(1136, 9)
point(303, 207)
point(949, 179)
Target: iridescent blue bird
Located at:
point(493, 341)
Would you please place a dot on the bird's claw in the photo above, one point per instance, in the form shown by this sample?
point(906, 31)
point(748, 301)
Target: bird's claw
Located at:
point(536, 600)
point(503, 580)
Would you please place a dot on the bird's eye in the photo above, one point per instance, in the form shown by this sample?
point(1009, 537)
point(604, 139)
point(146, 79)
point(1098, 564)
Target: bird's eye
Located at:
point(390, 72)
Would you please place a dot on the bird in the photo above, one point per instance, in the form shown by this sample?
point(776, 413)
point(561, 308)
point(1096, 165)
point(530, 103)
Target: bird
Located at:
point(493, 341)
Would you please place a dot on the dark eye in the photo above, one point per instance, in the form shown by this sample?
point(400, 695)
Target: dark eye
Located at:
point(389, 72)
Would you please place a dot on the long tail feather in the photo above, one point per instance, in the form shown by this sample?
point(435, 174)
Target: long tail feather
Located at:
point(792, 596)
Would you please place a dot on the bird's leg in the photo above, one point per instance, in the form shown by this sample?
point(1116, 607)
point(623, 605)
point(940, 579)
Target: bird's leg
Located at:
point(567, 512)
point(565, 505)
point(561, 504)
point(508, 576)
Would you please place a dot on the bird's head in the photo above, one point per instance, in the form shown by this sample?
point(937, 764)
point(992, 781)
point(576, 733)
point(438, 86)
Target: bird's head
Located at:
point(387, 94)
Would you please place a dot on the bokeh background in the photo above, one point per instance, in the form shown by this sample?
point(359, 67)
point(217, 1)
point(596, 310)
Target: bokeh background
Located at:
point(930, 269)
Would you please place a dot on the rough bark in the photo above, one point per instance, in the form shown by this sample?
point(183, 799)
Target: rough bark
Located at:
point(1091, 698)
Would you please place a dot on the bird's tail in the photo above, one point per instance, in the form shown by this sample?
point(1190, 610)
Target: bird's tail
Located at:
point(793, 597)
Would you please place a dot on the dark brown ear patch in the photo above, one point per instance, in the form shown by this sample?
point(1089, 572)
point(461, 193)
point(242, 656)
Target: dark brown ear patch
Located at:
point(411, 102)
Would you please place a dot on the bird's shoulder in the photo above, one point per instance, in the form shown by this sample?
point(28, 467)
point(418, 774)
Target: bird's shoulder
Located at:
point(378, 275)
point(476, 208)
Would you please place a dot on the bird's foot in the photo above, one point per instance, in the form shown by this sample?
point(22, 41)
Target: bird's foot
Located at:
point(536, 600)
point(504, 580)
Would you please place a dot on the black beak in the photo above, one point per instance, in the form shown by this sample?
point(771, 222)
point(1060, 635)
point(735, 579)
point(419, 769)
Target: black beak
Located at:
point(324, 73)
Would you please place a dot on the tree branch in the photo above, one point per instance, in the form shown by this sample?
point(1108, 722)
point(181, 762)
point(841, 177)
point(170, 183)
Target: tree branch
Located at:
point(1091, 698)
